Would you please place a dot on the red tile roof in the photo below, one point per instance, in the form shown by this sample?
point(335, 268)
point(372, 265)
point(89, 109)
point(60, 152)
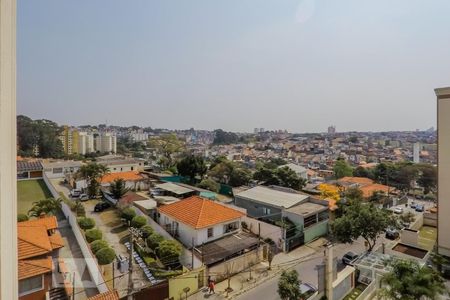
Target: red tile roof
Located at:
point(111, 295)
point(360, 180)
point(127, 176)
point(33, 267)
point(199, 213)
point(56, 241)
point(50, 222)
point(32, 241)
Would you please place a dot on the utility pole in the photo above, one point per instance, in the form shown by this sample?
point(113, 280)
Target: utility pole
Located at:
point(193, 253)
point(133, 234)
point(113, 271)
point(73, 286)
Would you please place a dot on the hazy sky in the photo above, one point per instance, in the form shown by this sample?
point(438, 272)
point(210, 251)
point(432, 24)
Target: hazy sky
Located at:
point(234, 64)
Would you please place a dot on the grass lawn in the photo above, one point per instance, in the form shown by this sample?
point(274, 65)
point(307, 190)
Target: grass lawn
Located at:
point(355, 292)
point(29, 191)
point(427, 237)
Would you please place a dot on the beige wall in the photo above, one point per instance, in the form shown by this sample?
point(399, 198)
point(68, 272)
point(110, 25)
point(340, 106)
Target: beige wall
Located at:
point(443, 96)
point(8, 182)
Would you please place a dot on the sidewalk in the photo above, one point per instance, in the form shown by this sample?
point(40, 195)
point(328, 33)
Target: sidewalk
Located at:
point(242, 282)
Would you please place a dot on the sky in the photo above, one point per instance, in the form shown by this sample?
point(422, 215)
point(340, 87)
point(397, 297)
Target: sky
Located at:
point(234, 64)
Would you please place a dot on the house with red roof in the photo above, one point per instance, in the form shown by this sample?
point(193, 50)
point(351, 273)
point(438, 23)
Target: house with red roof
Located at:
point(198, 220)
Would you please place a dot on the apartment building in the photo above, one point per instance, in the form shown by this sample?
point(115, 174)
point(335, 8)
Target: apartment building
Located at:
point(106, 143)
point(443, 121)
point(69, 139)
point(85, 143)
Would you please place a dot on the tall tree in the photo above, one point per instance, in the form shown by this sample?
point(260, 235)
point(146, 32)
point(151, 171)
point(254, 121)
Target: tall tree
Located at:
point(407, 280)
point(192, 166)
point(361, 220)
point(288, 178)
point(289, 286)
point(342, 168)
point(118, 188)
point(223, 138)
point(428, 178)
point(92, 173)
point(167, 145)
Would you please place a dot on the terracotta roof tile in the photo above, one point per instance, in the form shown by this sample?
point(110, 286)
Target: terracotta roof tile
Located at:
point(32, 241)
point(368, 190)
point(56, 241)
point(360, 180)
point(111, 295)
point(50, 222)
point(127, 176)
point(199, 213)
point(33, 267)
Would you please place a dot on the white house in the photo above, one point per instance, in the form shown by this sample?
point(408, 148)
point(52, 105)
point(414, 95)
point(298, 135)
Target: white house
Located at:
point(195, 220)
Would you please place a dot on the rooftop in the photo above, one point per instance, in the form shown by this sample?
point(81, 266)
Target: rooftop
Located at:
point(199, 213)
point(62, 164)
point(33, 267)
point(110, 295)
point(174, 188)
point(25, 166)
point(307, 209)
point(127, 176)
point(273, 197)
point(49, 222)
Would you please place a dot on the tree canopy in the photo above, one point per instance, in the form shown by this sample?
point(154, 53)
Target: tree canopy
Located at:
point(289, 286)
point(92, 173)
point(210, 185)
point(167, 145)
point(342, 168)
point(282, 176)
point(192, 166)
point(118, 188)
point(47, 206)
point(224, 138)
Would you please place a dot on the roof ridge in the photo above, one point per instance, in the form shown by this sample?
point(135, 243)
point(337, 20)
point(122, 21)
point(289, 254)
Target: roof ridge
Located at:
point(201, 211)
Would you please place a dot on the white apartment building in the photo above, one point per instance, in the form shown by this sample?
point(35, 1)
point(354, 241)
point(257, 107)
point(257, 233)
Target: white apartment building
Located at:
point(85, 143)
point(443, 121)
point(139, 136)
point(106, 143)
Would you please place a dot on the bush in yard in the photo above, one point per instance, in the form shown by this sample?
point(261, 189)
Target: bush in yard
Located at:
point(93, 235)
point(138, 221)
point(98, 245)
point(128, 214)
point(105, 256)
point(22, 217)
point(146, 231)
point(169, 251)
point(79, 210)
point(86, 223)
point(154, 240)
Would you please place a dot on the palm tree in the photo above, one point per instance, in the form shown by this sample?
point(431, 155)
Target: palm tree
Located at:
point(407, 280)
point(92, 173)
point(47, 206)
point(118, 188)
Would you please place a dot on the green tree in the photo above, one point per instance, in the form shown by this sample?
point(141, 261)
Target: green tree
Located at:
point(167, 145)
point(342, 169)
point(428, 178)
point(288, 178)
point(210, 185)
point(239, 177)
point(86, 223)
point(128, 214)
point(353, 194)
point(192, 166)
point(362, 172)
point(92, 173)
point(361, 220)
point(98, 245)
point(22, 218)
point(146, 231)
point(154, 240)
point(224, 138)
point(228, 172)
point(118, 188)
point(138, 221)
point(267, 176)
point(93, 235)
point(289, 286)
point(169, 251)
point(47, 206)
point(105, 256)
point(408, 280)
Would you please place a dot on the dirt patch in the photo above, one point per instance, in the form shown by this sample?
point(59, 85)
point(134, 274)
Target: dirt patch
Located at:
point(409, 250)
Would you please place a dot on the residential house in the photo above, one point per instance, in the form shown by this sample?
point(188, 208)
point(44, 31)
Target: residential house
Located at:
point(61, 168)
point(133, 180)
point(118, 163)
point(38, 242)
point(110, 295)
point(29, 169)
point(195, 220)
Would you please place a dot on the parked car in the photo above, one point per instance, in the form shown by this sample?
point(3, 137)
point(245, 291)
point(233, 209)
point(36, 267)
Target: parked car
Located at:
point(420, 208)
point(413, 205)
point(84, 197)
point(392, 233)
point(398, 210)
point(349, 258)
point(101, 206)
point(75, 193)
point(307, 290)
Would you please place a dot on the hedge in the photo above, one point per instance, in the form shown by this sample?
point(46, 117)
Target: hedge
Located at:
point(105, 256)
point(93, 235)
point(138, 221)
point(86, 223)
point(98, 245)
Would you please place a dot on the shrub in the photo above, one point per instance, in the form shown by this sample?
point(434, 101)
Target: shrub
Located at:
point(128, 214)
point(138, 221)
point(86, 223)
point(169, 251)
point(98, 245)
point(22, 217)
point(149, 261)
point(147, 231)
point(93, 235)
point(153, 240)
point(79, 210)
point(105, 256)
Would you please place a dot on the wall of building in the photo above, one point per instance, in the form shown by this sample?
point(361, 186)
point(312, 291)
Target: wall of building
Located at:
point(268, 231)
point(256, 210)
point(40, 295)
point(318, 230)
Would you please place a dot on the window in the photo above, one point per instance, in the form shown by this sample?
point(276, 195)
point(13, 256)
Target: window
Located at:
point(57, 170)
point(309, 221)
point(132, 168)
point(210, 232)
point(266, 211)
point(230, 227)
point(31, 285)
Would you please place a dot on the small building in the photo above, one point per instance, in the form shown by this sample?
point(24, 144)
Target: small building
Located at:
point(195, 221)
point(61, 168)
point(118, 163)
point(267, 203)
point(29, 169)
point(133, 180)
point(174, 190)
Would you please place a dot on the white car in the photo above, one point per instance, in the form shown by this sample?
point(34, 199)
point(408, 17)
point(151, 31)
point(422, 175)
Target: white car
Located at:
point(84, 197)
point(398, 210)
point(75, 193)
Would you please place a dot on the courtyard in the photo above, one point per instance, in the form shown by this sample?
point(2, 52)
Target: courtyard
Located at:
point(29, 191)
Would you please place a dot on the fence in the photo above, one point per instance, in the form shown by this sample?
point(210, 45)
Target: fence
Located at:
point(91, 262)
point(186, 255)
